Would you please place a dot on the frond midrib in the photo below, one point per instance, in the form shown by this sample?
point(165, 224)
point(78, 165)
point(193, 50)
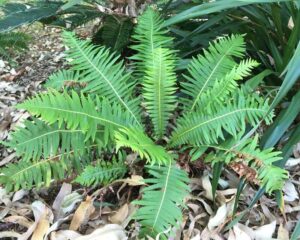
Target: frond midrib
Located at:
point(163, 196)
point(216, 118)
point(108, 82)
point(84, 114)
point(48, 133)
point(209, 77)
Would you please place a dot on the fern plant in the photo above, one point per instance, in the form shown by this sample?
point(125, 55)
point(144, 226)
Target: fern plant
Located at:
point(111, 108)
point(14, 41)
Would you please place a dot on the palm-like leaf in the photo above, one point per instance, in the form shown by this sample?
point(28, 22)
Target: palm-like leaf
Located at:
point(213, 65)
point(159, 86)
point(103, 73)
point(79, 112)
point(162, 199)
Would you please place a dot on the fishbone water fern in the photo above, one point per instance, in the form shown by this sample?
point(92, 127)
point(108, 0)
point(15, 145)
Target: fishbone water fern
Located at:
point(109, 108)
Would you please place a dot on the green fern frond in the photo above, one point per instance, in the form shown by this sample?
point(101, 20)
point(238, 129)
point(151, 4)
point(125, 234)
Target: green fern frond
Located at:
point(62, 79)
point(202, 128)
point(261, 161)
point(162, 199)
point(102, 174)
point(212, 98)
point(103, 74)
point(29, 174)
point(213, 65)
point(139, 142)
point(38, 139)
point(79, 112)
point(149, 35)
point(159, 87)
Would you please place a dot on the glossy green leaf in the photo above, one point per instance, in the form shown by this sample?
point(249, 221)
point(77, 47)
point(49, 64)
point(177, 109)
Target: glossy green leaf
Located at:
point(212, 7)
point(282, 123)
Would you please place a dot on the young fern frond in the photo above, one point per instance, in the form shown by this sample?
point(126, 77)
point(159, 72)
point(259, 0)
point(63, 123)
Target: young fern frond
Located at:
point(213, 65)
point(160, 207)
point(139, 142)
point(270, 176)
point(202, 128)
point(102, 173)
point(159, 87)
point(79, 112)
point(62, 79)
point(103, 74)
point(149, 35)
point(40, 140)
point(212, 98)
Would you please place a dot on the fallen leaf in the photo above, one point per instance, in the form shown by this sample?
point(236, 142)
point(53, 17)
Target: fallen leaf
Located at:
point(206, 184)
point(134, 180)
point(82, 213)
point(238, 234)
point(290, 192)
point(18, 220)
point(64, 235)
point(9, 234)
point(65, 190)
point(42, 218)
point(219, 218)
point(70, 201)
point(120, 215)
point(19, 195)
point(265, 232)
point(283, 233)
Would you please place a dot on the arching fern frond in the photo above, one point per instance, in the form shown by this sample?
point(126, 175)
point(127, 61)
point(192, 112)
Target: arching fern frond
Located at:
point(29, 174)
point(38, 139)
point(159, 87)
point(103, 74)
point(162, 199)
point(203, 128)
point(270, 176)
point(102, 173)
point(213, 65)
point(139, 142)
point(149, 35)
point(79, 112)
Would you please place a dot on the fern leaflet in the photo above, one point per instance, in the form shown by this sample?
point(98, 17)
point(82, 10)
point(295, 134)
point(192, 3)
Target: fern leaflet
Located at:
point(102, 173)
point(142, 144)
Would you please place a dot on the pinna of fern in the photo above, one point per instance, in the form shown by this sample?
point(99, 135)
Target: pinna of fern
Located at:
point(214, 107)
